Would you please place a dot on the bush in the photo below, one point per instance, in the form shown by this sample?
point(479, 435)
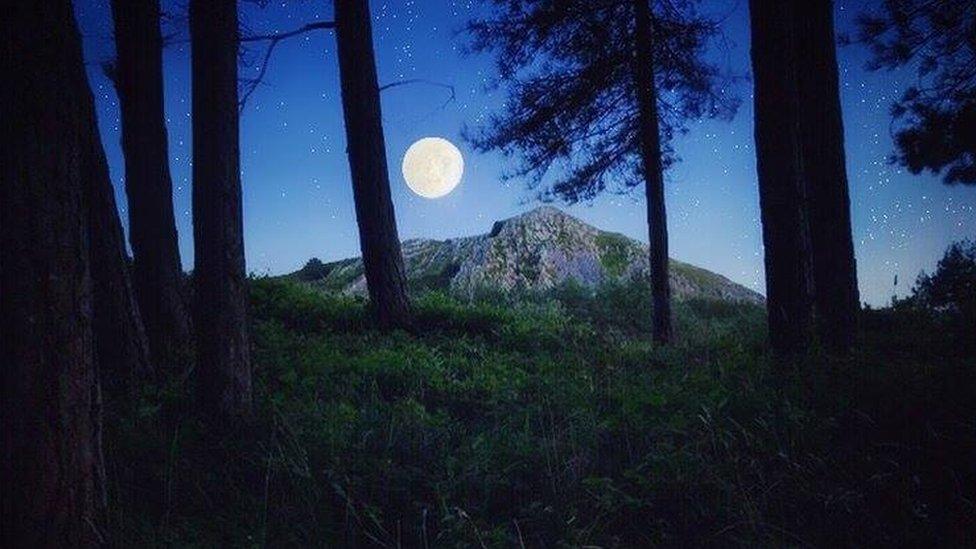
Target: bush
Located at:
point(952, 288)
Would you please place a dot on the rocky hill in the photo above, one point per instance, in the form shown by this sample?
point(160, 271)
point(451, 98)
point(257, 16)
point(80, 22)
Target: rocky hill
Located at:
point(534, 251)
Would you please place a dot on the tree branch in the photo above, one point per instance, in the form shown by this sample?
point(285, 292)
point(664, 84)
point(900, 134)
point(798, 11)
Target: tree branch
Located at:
point(251, 84)
point(422, 81)
point(317, 25)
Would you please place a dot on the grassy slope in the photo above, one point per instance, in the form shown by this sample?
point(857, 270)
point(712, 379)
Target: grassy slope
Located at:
point(553, 422)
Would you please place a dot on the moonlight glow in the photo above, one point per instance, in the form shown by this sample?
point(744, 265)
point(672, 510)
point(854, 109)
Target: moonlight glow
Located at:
point(432, 167)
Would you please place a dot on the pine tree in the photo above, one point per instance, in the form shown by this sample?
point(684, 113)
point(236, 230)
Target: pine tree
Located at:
point(782, 197)
point(157, 272)
point(597, 90)
point(935, 118)
point(223, 355)
point(51, 470)
point(366, 148)
point(821, 126)
point(810, 267)
point(651, 163)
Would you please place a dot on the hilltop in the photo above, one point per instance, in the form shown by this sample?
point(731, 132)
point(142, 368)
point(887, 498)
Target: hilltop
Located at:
point(535, 251)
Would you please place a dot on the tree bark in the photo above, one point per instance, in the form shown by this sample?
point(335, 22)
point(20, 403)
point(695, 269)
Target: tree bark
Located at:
point(780, 169)
point(157, 272)
point(366, 148)
point(651, 162)
point(121, 348)
point(51, 465)
point(223, 356)
point(837, 301)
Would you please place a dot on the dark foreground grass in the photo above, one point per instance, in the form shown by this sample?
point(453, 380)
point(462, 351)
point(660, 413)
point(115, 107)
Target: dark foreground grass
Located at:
point(553, 422)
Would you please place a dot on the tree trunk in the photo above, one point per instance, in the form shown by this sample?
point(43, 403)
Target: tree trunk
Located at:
point(825, 173)
point(223, 357)
point(366, 148)
point(121, 348)
point(157, 273)
point(779, 165)
point(51, 465)
point(650, 147)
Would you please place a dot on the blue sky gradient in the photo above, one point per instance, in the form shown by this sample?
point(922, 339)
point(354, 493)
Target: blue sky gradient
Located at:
point(297, 195)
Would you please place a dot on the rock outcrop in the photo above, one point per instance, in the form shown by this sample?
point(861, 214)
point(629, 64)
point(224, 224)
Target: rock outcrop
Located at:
point(534, 251)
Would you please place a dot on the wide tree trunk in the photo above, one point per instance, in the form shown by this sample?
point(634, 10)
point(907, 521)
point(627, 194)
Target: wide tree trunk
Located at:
point(157, 273)
point(651, 162)
point(51, 469)
point(780, 169)
point(220, 287)
point(825, 172)
point(366, 148)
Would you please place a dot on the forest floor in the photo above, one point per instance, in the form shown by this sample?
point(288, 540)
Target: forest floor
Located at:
point(552, 421)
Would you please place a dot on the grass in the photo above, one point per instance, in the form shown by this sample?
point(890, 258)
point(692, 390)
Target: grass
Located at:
point(552, 421)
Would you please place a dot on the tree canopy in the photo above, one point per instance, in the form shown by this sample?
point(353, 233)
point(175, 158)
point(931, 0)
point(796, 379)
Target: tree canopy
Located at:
point(952, 287)
point(936, 117)
point(568, 66)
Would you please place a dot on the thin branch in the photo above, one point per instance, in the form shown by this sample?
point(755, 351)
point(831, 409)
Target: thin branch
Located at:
point(399, 83)
point(325, 25)
point(252, 84)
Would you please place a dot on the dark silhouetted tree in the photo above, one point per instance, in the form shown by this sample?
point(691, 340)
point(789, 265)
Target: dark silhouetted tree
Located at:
point(220, 287)
point(802, 176)
point(51, 238)
point(366, 148)
point(313, 269)
point(782, 198)
point(598, 89)
point(936, 117)
point(375, 214)
point(652, 167)
point(121, 347)
point(821, 142)
point(157, 272)
point(952, 287)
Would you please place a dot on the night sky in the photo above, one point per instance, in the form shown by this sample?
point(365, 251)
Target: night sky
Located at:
point(298, 197)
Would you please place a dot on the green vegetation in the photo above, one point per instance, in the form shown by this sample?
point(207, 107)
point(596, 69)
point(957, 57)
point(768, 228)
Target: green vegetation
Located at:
point(434, 278)
point(338, 275)
point(552, 421)
point(614, 252)
point(696, 275)
point(951, 290)
point(313, 270)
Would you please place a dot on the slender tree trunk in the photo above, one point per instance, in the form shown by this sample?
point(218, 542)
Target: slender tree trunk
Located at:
point(223, 356)
point(779, 166)
point(366, 148)
point(825, 172)
point(51, 463)
point(650, 145)
point(121, 348)
point(157, 273)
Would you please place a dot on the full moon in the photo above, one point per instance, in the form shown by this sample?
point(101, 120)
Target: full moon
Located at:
point(432, 167)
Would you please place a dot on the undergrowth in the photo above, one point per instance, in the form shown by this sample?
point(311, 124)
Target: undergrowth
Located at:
point(552, 421)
